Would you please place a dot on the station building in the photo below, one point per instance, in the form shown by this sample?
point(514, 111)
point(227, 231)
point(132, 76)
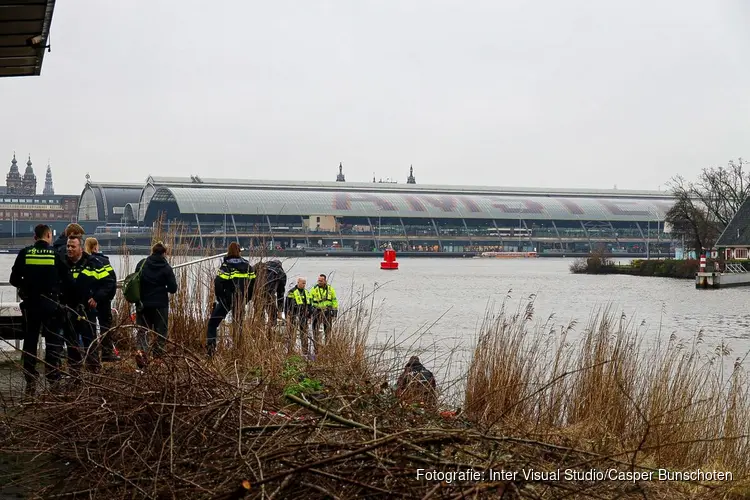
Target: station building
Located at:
point(366, 216)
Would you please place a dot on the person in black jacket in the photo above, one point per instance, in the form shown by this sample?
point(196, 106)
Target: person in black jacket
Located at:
point(270, 289)
point(417, 383)
point(39, 274)
point(157, 282)
point(104, 307)
point(61, 243)
point(233, 288)
point(90, 286)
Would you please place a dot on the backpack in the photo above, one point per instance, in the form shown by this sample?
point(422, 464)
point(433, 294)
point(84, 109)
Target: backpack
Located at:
point(131, 287)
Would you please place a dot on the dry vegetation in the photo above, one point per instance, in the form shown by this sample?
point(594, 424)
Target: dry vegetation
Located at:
point(258, 421)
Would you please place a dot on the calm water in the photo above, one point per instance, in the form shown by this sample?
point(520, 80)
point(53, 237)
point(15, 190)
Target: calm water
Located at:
point(446, 299)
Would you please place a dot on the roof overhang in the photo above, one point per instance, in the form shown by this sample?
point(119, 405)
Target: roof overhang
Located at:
point(24, 32)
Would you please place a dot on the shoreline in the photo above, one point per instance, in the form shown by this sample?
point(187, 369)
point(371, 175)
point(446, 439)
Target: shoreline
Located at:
point(202, 252)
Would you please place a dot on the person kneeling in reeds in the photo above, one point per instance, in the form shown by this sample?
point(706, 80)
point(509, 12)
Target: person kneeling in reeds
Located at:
point(417, 384)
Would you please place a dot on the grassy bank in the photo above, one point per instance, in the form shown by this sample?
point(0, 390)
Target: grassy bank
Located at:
point(259, 421)
point(664, 268)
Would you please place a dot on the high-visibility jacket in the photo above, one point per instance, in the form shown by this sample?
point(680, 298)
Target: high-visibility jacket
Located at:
point(106, 275)
point(298, 302)
point(91, 279)
point(39, 272)
point(324, 297)
point(235, 275)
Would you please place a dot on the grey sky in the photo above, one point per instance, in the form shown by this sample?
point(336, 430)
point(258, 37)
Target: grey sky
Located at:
point(547, 93)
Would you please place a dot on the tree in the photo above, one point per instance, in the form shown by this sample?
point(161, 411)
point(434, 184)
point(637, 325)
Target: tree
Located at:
point(704, 208)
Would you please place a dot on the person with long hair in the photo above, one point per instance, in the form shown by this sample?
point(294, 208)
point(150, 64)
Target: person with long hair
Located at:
point(104, 307)
point(233, 287)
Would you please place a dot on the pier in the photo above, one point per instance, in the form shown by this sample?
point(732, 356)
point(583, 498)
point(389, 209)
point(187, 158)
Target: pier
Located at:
point(734, 275)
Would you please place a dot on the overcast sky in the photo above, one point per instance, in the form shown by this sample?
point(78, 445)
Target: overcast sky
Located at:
point(545, 93)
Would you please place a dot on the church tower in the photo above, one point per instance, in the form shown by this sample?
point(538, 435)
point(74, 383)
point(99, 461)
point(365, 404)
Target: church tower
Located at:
point(29, 179)
point(13, 180)
point(340, 177)
point(49, 188)
point(411, 179)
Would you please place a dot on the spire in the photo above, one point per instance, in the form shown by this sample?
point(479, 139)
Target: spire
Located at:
point(340, 177)
point(29, 168)
point(14, 164)
point(29, 180)
point(49, 188)
point(411, 179)
point(13, 181)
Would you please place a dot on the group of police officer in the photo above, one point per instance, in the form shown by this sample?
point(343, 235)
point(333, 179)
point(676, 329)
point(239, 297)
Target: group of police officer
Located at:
point(64, 290)
point(237, 283)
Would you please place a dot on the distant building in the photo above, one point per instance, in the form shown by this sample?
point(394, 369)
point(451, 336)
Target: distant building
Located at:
point(411, 179)
point(340, 177)
point(21, 208)
point(734, 242)
point(49, 188)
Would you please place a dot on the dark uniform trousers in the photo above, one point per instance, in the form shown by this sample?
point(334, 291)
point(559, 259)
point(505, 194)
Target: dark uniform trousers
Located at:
point(219, 312)
point(41, 316)
point(325, 318)
point(79, 332)
point(104, 314)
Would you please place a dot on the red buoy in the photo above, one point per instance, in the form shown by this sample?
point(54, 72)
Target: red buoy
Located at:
point(389, 259)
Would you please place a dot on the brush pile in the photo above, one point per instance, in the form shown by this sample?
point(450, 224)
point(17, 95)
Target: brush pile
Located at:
point(188, 428)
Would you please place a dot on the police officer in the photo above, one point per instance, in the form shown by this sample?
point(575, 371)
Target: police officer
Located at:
point(104, 307)
point(39, 274)
point(298, 310)
point(233, 288)
point(89, 287)
point(326, 307)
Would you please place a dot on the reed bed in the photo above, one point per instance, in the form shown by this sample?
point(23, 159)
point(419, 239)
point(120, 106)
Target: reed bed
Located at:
point(259, 421)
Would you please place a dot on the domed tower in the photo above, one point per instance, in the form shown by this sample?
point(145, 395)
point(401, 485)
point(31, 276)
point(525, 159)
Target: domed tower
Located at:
point(411, 179)
point(340, 177)
point(49, 188)
point(29, 179)
point(13, 180)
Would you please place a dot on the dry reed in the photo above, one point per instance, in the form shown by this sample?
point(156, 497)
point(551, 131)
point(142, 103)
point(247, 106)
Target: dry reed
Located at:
point(258, 420)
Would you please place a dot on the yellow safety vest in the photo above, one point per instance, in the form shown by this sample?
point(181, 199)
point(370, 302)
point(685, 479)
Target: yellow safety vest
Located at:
point(298, 296)
point(324, 298)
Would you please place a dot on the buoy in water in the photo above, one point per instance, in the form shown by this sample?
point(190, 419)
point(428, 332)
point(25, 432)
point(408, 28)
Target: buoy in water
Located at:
point(389, 259)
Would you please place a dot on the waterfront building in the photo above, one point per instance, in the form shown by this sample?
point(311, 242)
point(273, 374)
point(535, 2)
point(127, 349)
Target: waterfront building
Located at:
point(366, 216)
point(21, 208)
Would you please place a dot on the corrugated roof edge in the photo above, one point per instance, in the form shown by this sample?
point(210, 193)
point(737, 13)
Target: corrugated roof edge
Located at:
point(45, 33)
point(371, 186)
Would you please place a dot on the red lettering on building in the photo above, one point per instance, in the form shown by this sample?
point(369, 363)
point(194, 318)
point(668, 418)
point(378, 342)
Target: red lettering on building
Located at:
point(444, 203)
point(615, 209)
point(573, 207)
point(414, 203)
point(527, 206)
point(343, 201)
point(470, 204)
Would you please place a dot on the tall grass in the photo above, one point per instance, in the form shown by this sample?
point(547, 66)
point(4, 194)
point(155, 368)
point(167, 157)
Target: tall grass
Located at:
point(607, 388)
point(611, 391)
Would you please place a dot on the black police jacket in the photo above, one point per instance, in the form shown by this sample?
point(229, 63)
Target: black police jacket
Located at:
point(61, 248)
point(89, 281)
point(39, 272)
point(235, 276)
point(271, 282)
point(106, 275)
